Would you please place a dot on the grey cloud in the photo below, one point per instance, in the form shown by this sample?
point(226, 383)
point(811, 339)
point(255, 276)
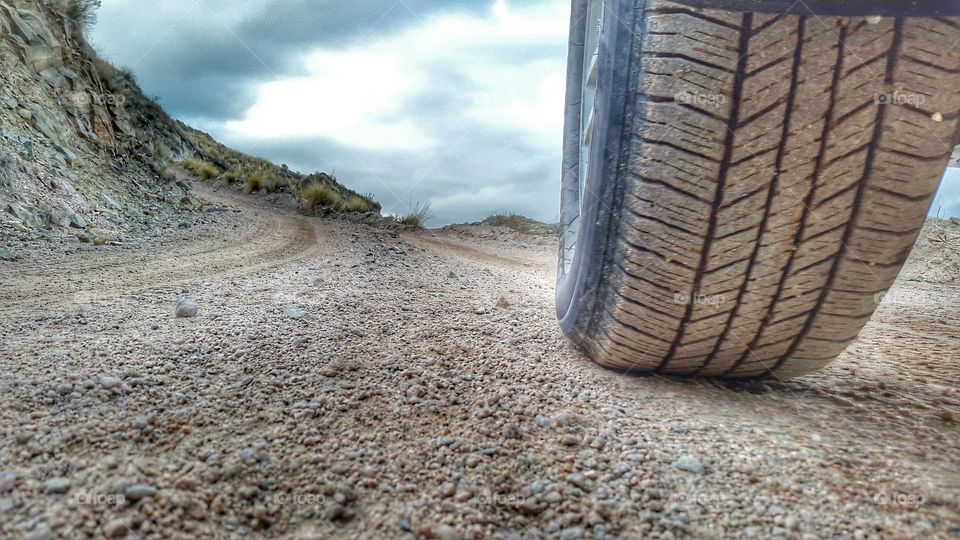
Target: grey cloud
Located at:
point(525, 179)
point(336, 22)
point(206, 72)
point(204, 67)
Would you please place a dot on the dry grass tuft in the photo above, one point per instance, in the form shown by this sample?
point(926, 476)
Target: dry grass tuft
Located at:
point(417, 217)
point(253, 182)
point(82, 12)
point(316, 195)
point(357, 205)
point(200, 168)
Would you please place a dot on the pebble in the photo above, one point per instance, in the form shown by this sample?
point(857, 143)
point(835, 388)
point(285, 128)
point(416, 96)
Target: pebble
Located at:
point(110, 382)
point(447, 441)
point(137, 492)
point(41, 532)
point(570, 440)
point(8, 481)
point(689, 464)
point(57, 484)
point(293, 312)
point(115, 528)
point(187, 309)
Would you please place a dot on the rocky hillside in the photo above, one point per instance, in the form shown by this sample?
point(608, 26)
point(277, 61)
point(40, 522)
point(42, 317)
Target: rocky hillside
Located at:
point(82, 150)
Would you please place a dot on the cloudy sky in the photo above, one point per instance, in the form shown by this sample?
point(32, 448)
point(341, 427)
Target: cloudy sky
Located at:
point(455, 102)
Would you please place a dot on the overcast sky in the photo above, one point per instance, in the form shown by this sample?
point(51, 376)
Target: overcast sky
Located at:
point(455, 102)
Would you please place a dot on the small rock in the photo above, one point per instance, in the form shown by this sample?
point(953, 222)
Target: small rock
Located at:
point(58, 484)
point(447, 441)
point(446, 532)
point(6, 254)
point(187, 309)
point(564, 418)
point(689, 464)
point(503, 303)
point(293, 312)
point(570, 440)
point(248, 456)
point(110, 382)
point(41, 532)
point(25, 215)
point(511, 432)
point(573, 533)
point(452, 275)
point(77, 222)
point(137, 492)
point(115, 529)
point(8, 480)
point(335, 512)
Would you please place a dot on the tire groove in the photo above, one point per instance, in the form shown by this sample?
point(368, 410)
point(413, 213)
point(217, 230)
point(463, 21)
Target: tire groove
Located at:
point(895, 46)
point(654, 142)
point(737, 94)
point(771, 193)
point(661, 222)
point(805, 215)
point(692, 59)
point(694, 14)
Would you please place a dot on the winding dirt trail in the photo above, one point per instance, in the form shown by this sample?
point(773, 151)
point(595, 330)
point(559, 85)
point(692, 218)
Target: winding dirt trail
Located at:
point(273, 238)
point(346, 381)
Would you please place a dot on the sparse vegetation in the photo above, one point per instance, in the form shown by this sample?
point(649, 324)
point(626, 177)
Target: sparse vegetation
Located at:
point(315, 195)
point(417, 217)
point(253, 182)
point(522, 224)
point(260, 175)
point(200, 168)
point(168, 173)
point(82, 12)
point(231, 177)
point(356, 204)
point(127, 75)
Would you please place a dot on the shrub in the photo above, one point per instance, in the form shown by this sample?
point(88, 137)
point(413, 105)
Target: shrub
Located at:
point(83, 12)
point(320, 195)
point(253, 182)
point(356, 204)
point(126, 74)
point(231, 176)
point(168, 173)
point(272, 185)
point(417, 217)
point(200, 168)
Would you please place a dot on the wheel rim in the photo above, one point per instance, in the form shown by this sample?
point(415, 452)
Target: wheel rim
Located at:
point(593, 29)
point(591, 54)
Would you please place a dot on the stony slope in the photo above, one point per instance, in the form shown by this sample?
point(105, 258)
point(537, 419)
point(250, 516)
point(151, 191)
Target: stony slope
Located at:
point(82, 149)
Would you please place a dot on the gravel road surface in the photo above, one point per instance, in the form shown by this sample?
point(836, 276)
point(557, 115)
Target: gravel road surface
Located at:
point(345, 381)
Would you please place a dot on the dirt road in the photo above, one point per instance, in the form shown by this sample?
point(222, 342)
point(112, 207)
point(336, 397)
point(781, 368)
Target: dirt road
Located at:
point(345, 381)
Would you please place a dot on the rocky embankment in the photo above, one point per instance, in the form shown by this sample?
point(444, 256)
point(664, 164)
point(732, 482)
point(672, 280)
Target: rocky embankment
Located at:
point(80, 145)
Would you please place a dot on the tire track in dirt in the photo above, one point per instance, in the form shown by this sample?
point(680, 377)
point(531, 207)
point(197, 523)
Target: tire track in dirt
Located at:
point(279, 237)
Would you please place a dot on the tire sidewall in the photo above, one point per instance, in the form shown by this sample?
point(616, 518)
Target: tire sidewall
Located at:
point(579, 289)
